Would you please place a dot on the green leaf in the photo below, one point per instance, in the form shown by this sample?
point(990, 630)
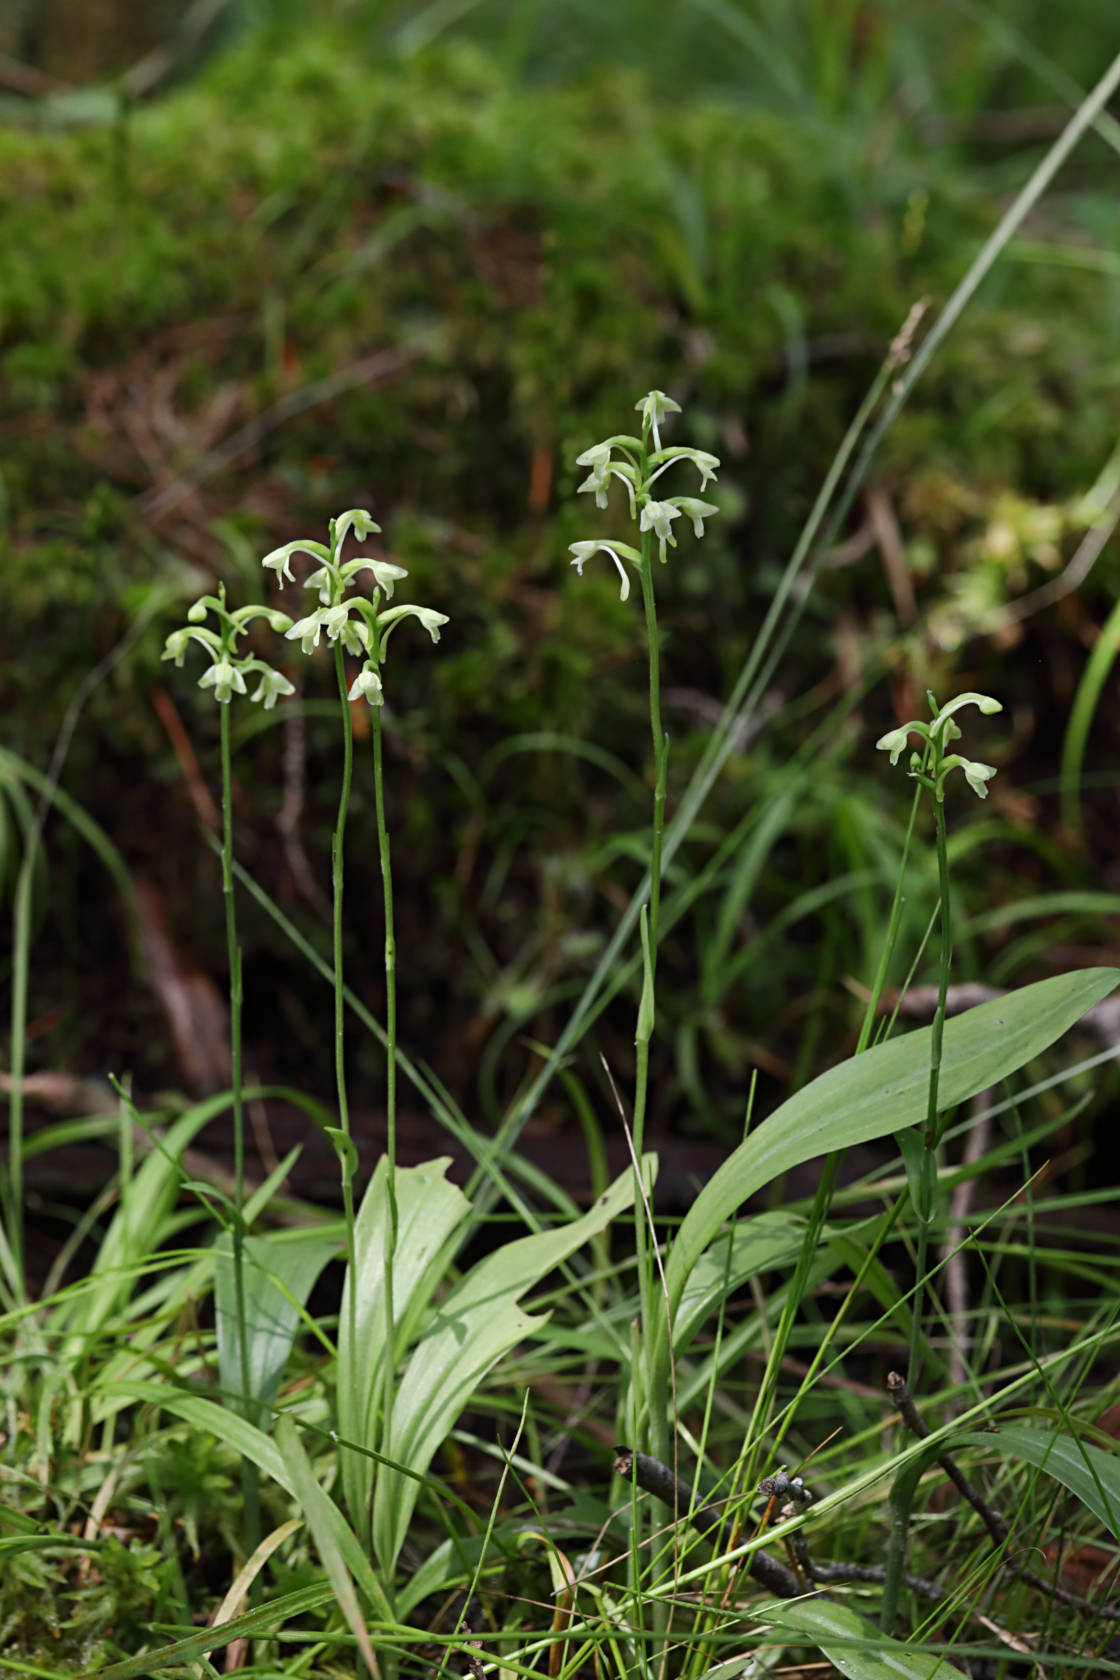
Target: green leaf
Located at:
point(1089, 1472)
point(277, 1460)
point(264, 1620)
point(850, 1643)
point(279, 1272)
point(342, 1556)
point(763, 1243)
point(137, 1228)
point(429, 1209)
point(883, 1091)
point(472, 1328)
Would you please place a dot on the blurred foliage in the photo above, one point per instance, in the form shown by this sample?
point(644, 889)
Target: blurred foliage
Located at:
point(524, 216)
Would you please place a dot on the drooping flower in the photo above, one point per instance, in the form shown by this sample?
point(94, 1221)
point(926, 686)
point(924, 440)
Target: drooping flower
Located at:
point(385, 573)
point(658, 517)
point(431, 620)
point(353, 633)
point(582, 552)
point(357, 520)
point(977, 775)
point(278, 560)
point(366, 686)
point(176, 645)
point(598, 459)
point(894, 741)
point(306, 631)
point(697, 511)
point(271, 686)
point(224, 678)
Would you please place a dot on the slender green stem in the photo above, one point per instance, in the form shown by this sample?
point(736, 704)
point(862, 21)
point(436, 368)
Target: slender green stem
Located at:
point(337, 847)
point(925, 1211)
point(390, 1071)
point(21, 945)
point(250, 1476)
point(657, 1401)
point(660, 745)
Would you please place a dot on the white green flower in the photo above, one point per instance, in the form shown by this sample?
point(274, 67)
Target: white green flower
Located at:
point(224, 678)
point(271, 686)
point(385, 573)
point(176, 645)
point(321, 580)
point(353, 633)
point(975, 774)
point(654, 407)
point(704, 463)
point(366, 686)
point(357, 520)
point(598, 459)
point(657, 517)
point(306, 631)
point(894, 741)
point(432, 621)
point(950, 732)
point(278, 560)
point(697, 511)
point(582, 552)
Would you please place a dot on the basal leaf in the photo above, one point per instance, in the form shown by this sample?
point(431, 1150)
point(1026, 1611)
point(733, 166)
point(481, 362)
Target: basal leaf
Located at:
point(1089, 1472)
point(279, 1271)
point(883, 1091)
point(341, 1554)
point(429, 1208)
point(478, 1322)
point(851, 1644)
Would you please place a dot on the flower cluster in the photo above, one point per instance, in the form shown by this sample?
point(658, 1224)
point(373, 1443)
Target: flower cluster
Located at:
point(226, 674)
point(932, 765)
point(354, 621)
point(631, 461)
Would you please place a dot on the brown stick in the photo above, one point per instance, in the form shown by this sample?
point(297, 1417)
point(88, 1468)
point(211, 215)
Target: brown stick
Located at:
point(656, 1478)
point(997, 1527)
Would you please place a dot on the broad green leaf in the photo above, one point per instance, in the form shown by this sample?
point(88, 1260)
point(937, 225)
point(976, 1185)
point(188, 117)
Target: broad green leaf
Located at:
point(851, 1644)
point(1089, 1472)
point(883, 1091)
point(338, 1546)
point(759, 1244)
point(279, 1272)
point(471, 1329)
point(429, 1208)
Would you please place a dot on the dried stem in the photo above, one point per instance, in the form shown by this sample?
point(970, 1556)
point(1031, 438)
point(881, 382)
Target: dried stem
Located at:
point(996, 1525)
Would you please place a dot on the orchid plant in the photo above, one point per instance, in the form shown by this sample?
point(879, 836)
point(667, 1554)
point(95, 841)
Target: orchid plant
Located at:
point(359, 625)
point(225, 676)
point(638, 463)
point(931, 766)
